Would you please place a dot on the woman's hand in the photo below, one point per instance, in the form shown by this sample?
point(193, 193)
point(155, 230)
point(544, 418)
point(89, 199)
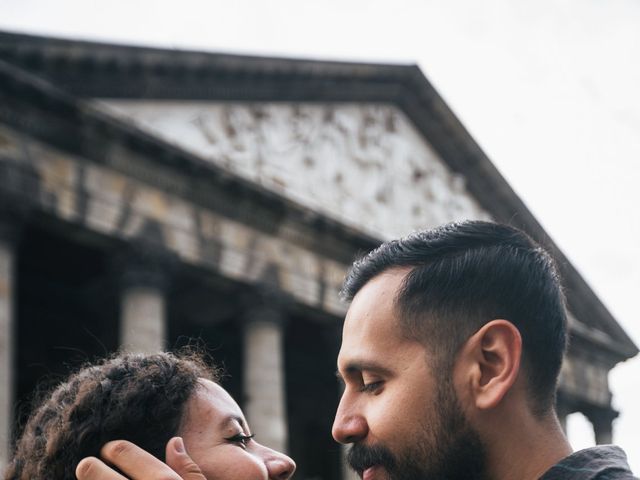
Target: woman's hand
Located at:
point(138, 464)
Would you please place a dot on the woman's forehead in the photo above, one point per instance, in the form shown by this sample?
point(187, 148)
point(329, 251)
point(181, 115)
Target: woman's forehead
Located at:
point(211, 399)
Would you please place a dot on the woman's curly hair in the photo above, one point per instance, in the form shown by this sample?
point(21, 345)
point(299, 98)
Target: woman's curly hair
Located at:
point(134, 397)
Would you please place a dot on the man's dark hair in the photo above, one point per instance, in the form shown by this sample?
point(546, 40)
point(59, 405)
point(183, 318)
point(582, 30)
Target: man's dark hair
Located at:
point(140, 398)
point(462, 276)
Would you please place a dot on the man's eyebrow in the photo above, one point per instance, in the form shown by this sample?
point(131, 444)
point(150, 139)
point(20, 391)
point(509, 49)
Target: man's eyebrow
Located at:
point(362, 366)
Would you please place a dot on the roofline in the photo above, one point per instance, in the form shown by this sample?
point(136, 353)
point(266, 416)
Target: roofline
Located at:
point(165, 73)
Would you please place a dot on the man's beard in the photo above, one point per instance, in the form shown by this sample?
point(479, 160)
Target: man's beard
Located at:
point(447, 449)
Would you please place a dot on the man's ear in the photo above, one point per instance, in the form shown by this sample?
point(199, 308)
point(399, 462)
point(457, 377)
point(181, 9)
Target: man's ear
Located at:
point(490, 360)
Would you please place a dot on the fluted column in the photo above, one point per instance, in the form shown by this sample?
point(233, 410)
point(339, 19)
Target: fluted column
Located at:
point(143, 281)
point(264, 376)
point(7, 336)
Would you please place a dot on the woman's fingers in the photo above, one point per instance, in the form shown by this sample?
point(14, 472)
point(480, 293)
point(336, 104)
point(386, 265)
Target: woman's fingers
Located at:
point(92, 468)
point(137, 464)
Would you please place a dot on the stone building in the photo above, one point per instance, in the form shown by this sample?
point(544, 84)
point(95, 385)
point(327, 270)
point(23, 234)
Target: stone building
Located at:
point(148, 196)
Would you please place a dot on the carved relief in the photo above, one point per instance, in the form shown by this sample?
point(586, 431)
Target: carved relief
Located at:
point(365, 165)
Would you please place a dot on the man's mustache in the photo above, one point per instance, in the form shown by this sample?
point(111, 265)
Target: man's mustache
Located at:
point(360, 457)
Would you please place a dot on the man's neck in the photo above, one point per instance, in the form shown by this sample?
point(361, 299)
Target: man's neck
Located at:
point(526, 448)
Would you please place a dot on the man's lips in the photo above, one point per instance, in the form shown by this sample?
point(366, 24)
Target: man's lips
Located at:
point(370, 473)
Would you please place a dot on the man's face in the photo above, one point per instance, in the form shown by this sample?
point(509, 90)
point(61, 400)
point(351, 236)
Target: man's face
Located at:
point(403, 422)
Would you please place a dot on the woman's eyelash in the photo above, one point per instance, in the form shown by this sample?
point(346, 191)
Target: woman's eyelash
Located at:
point(240, 438)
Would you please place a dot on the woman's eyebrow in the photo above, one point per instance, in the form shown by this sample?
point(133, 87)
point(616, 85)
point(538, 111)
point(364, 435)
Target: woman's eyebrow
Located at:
point(229, 419)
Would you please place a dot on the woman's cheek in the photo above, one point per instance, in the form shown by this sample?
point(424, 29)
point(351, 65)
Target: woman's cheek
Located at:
point(232, 464)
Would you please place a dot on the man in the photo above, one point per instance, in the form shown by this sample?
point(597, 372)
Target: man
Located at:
point(450, 356)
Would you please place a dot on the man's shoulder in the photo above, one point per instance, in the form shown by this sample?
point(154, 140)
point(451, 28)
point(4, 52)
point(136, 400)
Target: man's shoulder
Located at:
point(604, 462)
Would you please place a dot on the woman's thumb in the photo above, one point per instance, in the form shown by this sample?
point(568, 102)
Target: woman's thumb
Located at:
point(180, 461)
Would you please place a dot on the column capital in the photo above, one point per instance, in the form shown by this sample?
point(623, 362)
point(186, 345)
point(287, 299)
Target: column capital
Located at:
point(605, 413)
point(143, 265)
point(601, 416)
point(602, 420)
point(9, 232)
point(265, 304)
point(12, 220)
point(18, 183)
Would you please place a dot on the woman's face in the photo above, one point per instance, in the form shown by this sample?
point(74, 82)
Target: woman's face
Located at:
point(216, 436)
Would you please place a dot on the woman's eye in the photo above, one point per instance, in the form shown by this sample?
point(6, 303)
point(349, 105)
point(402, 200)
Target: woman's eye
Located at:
point(240, 439)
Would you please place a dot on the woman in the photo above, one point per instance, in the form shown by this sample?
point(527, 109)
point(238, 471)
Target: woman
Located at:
point(146, 399)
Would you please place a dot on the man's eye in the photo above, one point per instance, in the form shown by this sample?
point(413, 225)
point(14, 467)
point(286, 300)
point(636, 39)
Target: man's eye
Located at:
point(240, 439)
point(371, 387)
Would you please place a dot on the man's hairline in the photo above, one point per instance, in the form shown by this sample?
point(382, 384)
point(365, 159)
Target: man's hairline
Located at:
point(397, 308)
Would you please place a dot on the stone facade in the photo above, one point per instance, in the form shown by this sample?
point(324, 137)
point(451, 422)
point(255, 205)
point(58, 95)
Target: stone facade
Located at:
point(224, 198)
point(118, 204)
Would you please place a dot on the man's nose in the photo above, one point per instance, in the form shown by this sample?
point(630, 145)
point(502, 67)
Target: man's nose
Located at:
point(349, 425)
point(279, 466)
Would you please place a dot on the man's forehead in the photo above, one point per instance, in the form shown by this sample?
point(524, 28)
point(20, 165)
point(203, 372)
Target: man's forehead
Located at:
point(372, 328)
point(374, 304)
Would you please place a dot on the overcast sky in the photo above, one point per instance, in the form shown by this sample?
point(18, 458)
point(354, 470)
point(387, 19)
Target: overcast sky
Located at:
point(549, 89)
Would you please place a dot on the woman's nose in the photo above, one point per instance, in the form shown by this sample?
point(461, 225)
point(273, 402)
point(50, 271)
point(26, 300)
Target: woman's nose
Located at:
point(279, 466)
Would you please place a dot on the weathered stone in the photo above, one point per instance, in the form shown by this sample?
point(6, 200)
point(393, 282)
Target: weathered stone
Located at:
point(343, 160)
point(126, 208)
point(585, 379)
point(143, 325)
point(144, 275)
point(7, 341)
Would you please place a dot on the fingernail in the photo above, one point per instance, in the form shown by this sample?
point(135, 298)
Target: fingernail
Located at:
point(179, 445)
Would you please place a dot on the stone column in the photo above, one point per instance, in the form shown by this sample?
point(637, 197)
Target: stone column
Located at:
point(264, 376)
point(143, 323)
point(17, 191)
point(7, 337)
point(143, 318)
point(604, 433)
point(602, 421)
